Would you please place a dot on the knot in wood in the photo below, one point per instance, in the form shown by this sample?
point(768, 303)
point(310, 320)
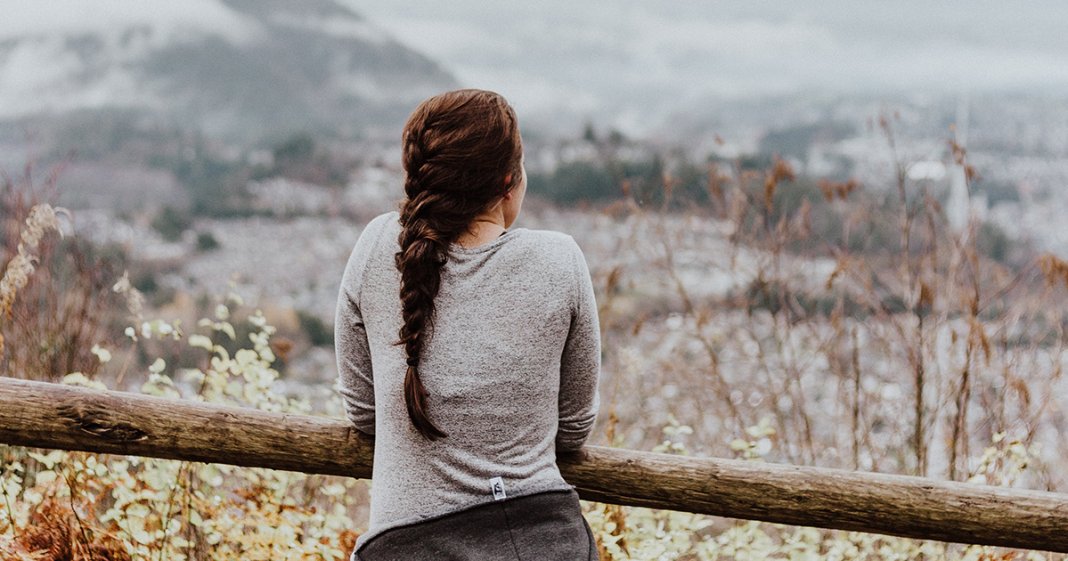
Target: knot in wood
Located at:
point(97, 421)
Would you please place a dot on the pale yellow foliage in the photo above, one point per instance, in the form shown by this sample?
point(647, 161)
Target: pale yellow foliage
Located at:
point(41, 219)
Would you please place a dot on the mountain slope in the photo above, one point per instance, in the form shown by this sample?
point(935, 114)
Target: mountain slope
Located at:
point(233, 68)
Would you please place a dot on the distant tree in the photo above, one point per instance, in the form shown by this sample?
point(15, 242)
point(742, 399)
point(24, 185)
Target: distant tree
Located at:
point(750, 162)
point(994, 243)
point(589, 134)
point(206, 241)
point(170, 223)
point(996, 191)
point(296, 149)
point(300, 157)
point(145, 281)
point(216, 187)
point(796, 140)
point(644, 178)
point(576, 181)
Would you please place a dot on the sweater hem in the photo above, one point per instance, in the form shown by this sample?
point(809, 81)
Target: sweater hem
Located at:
point(404, 522)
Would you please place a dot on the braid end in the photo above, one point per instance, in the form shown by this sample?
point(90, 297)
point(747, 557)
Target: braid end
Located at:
point(415, 400)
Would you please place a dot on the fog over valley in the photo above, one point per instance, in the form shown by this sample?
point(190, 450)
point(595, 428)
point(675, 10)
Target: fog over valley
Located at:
point(633, 63)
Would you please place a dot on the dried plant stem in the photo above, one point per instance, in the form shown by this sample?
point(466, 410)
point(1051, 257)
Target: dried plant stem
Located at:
point(125, 367)
point(963, 396)
point(855, 363)
point(721, 384)
point(182, 468)
point(281, 507)
point(7, 500)
point(919, 377)
point(774, 389)
point(794, 383)
point(82, 530)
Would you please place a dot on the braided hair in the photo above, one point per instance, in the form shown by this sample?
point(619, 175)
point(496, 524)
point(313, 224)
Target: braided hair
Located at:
point(458, 149)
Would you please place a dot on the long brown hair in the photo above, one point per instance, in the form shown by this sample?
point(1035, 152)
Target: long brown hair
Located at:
point(458, 149)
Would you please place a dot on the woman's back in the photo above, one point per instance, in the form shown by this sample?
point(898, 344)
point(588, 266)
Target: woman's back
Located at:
point(510, 370)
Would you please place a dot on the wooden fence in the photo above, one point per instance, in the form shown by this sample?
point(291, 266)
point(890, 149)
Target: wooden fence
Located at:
point(45, 415)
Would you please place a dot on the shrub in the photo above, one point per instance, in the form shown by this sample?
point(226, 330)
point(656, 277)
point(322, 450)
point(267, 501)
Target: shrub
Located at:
point(143, 508)
point(318, 332)
point(206, 241)
point(171, 223)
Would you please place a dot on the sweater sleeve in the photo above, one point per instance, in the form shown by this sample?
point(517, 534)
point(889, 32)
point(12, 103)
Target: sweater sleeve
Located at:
point(580, 364)
point(355, 376)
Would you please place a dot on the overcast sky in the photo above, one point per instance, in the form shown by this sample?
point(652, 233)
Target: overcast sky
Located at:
point(618, 58)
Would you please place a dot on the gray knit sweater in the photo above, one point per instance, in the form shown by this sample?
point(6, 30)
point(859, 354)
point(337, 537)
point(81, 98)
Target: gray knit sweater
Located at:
point(511, 368)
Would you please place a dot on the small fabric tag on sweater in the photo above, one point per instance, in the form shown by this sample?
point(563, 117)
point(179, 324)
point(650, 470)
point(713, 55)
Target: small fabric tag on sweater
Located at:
point(497, 486)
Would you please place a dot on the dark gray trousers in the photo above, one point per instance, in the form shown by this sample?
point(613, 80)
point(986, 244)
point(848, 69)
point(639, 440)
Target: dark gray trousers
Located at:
point(546, 526)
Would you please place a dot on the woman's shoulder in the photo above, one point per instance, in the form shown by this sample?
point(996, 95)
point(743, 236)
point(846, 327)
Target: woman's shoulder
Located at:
point(549, 242)
point(366, 243)
point(384, 220)
point(552, 248)
point(550, 239)
point(378, 227)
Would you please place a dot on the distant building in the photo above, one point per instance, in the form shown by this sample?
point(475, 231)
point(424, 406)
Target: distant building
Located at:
point(961, 208)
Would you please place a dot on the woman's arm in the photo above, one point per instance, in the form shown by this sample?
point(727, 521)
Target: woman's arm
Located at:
point(355, 377)
point(580, 364)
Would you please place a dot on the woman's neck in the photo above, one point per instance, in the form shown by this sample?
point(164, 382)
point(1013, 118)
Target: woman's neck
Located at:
point(483, 229)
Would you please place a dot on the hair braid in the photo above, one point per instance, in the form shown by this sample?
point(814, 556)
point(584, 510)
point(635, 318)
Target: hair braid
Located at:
point(419, 261)
point(458, 148)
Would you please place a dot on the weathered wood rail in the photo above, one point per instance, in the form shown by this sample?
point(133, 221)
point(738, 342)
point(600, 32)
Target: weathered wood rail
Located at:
point(48, 415)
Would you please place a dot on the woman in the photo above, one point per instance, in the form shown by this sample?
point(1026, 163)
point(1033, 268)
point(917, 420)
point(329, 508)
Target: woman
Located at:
point(469, 350)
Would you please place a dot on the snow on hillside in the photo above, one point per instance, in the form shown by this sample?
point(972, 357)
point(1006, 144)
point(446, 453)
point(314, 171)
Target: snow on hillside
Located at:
point(230, 66)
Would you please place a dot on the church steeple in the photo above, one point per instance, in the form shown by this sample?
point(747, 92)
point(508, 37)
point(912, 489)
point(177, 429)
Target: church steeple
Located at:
point(959, 206)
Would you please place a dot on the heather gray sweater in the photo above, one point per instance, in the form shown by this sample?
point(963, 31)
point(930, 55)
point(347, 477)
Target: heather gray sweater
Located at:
point(511, 368)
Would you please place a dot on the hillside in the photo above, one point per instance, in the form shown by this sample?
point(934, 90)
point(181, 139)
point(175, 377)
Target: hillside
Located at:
point(238, 69)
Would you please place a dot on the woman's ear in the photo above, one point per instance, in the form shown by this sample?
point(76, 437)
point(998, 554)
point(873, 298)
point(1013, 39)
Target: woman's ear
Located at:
point(507, 186)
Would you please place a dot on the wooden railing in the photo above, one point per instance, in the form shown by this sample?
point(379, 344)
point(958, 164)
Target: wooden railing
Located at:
point(45, 415)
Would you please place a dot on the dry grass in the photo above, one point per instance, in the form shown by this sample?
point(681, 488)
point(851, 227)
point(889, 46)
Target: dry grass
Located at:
point(55, 297)
point(56, 533)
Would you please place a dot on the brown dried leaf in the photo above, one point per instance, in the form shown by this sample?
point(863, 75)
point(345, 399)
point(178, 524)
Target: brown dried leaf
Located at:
point(1054, 269)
